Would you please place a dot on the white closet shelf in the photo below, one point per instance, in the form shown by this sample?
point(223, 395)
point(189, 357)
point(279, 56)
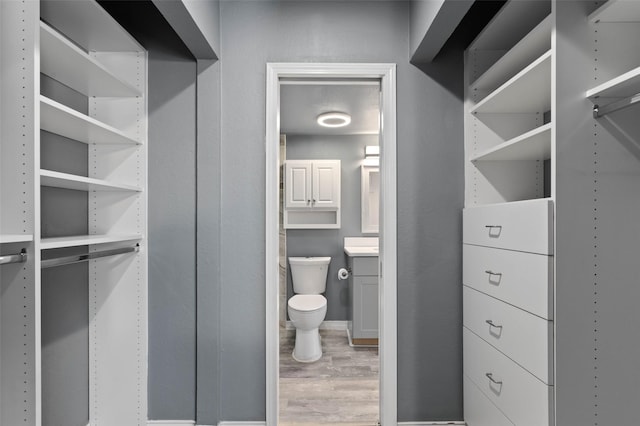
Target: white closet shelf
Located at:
point(617, 11)
point(529, 91)
point(533, 145)
point(62, 120)
point(88, 25)
point(80, 183)
point(85, 240)
point(15, 238)
point(622, 86)
point(65, 62)
point(532, 46)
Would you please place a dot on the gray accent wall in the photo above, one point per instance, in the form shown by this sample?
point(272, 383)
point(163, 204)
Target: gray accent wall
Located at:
point(430, 194)
point(330, 242)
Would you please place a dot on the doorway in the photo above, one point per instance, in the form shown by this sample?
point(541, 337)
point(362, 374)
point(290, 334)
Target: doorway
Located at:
point(387, 267)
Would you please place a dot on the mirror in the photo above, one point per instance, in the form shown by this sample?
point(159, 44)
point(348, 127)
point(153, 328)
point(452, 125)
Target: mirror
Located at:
point(370, 191)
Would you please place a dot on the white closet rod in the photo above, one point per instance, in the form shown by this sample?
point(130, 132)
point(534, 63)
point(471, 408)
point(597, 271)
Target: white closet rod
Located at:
point(14, 258)
point(67, 260)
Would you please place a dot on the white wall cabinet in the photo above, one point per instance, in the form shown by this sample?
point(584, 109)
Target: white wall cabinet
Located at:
point(81, 48)
point(312, 194)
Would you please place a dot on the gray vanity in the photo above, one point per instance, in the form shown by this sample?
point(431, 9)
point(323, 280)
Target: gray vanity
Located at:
point(363, 291)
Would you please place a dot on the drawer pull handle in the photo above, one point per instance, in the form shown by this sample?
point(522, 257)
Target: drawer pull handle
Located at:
point(494, 230)
point(490, 377)
point(490, 322)
point(490, 272)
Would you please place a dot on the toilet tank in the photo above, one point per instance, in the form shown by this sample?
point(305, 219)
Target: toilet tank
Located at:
point(309, 274)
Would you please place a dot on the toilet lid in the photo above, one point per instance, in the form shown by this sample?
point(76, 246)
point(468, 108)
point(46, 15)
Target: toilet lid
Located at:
point(307, 302)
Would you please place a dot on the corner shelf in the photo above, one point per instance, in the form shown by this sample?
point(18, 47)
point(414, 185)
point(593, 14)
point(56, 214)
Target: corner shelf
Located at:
point(85, 240)
point(81, 183)
point(63, 61)
point(616, 11)
point(62, 120)
point(533, 145)
point(15, 238)
point(532, 46)
point(529, 91)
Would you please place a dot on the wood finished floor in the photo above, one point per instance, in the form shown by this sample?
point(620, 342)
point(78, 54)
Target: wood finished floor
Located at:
point(339, 389)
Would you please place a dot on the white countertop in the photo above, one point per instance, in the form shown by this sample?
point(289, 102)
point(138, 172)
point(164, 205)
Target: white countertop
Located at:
point(361, 246)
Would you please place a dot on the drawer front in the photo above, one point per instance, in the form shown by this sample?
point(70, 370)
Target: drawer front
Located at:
point(522, 279)
point(479, 410)
point(523, 225)
point(523, 337)
point(364, 265)
point(523, 398)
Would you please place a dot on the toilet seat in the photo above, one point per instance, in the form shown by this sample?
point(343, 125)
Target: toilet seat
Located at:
point(307, 302)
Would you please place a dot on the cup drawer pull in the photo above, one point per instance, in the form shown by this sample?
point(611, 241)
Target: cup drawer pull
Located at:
point(490, 272)
point(494, 230)
point(490, 322)
point(490, 377)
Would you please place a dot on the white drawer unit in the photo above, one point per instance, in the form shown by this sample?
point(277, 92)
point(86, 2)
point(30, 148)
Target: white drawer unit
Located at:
point(479, 410)
point(523, 398)
point(523, 337)
point(522, 279)
point(524, 226)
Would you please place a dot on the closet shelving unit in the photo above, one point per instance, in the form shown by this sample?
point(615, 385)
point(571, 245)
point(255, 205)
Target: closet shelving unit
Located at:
point(508, 220)
point(623, 89)
point(598, 197)
point(98, 109)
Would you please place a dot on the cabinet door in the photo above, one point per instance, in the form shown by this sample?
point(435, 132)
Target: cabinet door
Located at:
point(365, 307)
point(298, 184)
point(326, 184)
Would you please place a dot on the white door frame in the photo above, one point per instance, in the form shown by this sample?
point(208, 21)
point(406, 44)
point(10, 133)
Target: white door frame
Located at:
point(388, 231)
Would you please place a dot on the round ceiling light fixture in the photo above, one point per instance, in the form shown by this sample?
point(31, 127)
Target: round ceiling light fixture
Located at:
point(334, 119)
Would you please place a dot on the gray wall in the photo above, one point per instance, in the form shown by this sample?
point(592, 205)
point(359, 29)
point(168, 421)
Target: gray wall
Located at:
point(172, 233)
point(330, 242)
point(432, 23)
point(430, 194)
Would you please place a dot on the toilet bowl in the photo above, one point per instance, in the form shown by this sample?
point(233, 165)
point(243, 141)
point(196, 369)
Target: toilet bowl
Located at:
point(308, 307)
point(307, 311)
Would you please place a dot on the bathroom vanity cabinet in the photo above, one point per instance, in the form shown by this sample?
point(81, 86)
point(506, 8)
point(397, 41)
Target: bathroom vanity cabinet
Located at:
point(312, 194)
point(363, 292)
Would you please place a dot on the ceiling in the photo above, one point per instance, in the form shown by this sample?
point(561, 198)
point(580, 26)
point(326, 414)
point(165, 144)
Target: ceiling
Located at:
point(301, 102)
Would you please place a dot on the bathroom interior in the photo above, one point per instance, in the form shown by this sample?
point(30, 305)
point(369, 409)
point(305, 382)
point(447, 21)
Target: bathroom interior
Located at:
point(328, 292)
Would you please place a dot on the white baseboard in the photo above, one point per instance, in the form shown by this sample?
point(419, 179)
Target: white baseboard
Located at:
point(326, 325)
point(192, 423)
point(242, 423)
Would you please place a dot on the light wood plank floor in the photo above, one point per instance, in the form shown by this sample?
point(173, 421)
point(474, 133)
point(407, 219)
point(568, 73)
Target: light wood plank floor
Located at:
point(339, 389)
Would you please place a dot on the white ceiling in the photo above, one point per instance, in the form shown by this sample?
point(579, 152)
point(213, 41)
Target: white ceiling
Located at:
point(302, 102)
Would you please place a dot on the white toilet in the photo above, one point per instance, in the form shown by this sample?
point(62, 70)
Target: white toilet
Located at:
point(308, 306)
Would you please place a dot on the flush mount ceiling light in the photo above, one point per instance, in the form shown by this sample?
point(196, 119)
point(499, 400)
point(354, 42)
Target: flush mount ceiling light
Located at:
point(334, 119)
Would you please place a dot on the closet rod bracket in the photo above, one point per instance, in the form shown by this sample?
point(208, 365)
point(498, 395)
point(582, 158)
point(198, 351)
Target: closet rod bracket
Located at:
point(600, 111)
point(14, 258)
